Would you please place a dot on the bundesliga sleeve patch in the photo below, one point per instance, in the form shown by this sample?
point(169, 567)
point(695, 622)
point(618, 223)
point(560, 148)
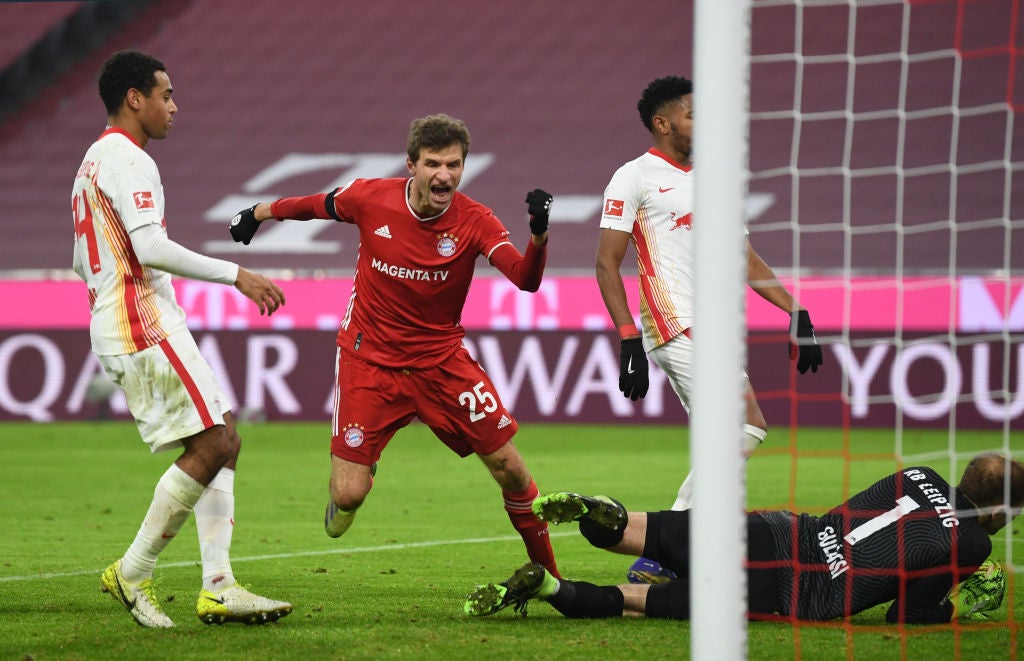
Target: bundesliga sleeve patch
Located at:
point(143, 200)
point(613, 207)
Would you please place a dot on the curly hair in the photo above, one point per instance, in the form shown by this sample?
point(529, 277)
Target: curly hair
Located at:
point(123, 71)
point(660, 92)
point(984, 480)
point(436, 132)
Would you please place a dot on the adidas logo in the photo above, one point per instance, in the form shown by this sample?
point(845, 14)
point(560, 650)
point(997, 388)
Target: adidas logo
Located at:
point(383, 231)
point(504, 422)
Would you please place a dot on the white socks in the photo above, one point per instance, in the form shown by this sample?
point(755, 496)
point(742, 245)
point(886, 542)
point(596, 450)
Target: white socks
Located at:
point(215, 523)
point(752, 437)
point(174, 497)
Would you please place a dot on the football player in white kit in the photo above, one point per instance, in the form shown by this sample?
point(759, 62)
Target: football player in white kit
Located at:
point(139, 334)
point(649, 202)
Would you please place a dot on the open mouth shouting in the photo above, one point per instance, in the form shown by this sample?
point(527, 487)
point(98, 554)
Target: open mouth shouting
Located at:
point(440, 194)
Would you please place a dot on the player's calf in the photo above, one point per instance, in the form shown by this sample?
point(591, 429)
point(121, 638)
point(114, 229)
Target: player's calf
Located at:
point(336, 520)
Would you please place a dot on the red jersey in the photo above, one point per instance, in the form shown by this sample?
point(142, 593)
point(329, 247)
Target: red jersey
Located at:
point(413, 274)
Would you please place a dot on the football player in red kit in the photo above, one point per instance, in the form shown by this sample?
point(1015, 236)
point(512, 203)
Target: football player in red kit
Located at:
point(400, 354)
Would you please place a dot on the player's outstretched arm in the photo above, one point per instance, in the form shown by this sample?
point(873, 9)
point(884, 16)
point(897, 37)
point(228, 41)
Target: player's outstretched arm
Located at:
point(259, 289)
point(246, 222)
point(156, 251)
point(803, 345)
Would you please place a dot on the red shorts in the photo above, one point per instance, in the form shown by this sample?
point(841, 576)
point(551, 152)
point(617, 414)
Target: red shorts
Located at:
point(455, 399)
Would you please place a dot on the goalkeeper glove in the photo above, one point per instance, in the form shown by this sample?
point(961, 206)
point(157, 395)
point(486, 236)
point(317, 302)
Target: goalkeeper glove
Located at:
point(244, 225)
point(633, 380)
point(540, 203)
point(981, 591)
point(805, 345)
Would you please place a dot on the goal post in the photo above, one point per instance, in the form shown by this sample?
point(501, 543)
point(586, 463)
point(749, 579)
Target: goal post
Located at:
point(718, 600)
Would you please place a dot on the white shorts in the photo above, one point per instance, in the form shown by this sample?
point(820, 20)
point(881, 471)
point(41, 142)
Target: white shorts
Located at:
point(172, 393)
point(675, 358)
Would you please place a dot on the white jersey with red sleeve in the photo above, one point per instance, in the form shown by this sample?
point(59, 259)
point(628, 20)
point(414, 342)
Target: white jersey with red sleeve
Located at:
point(412, 274)
point(117, 189)
point(651, 198)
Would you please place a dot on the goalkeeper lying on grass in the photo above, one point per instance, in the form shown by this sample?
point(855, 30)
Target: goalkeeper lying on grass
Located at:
point(910, 539)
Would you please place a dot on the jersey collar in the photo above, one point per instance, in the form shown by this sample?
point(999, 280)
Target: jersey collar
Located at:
point(118, 129)
point(408, 205)
point(654, 151)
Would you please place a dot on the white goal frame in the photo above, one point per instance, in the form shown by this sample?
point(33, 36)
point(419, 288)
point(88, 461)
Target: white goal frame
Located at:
point(718, 597)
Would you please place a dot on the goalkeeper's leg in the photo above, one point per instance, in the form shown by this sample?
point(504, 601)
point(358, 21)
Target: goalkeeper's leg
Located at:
point(576, 599)
point(659, 536)
point(604, 522)
point(579, 599)
point(665, 539)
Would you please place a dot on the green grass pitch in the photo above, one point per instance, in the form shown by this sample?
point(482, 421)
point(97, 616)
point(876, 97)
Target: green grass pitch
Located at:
point(73, 494)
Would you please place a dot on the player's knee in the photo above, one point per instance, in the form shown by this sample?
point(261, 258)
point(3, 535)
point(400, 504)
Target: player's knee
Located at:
point(212, 448)
point(234, 445)
point(670, 600)
point(599, 535)
point(348, 497)
point(224, 445)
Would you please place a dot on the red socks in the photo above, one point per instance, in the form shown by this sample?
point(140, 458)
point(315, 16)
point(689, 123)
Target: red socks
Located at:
point(533, 531)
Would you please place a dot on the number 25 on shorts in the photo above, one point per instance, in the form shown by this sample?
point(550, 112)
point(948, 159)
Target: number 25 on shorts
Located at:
point(478, 398)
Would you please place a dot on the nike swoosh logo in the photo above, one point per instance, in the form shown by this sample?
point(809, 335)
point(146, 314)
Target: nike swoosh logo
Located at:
point(629, 366)
point(124, 597)
point(665, 190)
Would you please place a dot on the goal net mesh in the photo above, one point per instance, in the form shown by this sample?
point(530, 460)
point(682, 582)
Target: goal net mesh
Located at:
point(886, 189)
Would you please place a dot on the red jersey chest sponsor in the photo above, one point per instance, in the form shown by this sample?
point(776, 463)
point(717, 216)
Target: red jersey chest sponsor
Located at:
point(418, 255)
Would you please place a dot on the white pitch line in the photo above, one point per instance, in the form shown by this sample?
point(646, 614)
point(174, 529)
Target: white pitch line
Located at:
point(306, 554)
point(299, 554)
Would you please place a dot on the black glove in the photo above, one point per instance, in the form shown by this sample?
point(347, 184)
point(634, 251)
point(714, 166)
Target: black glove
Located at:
point(633, 380)
point(540, 204)
point(805, 345)
point(244, 225)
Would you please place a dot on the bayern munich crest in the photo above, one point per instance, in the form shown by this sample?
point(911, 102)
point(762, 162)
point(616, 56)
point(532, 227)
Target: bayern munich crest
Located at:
point(447, 244)
point(353, 435)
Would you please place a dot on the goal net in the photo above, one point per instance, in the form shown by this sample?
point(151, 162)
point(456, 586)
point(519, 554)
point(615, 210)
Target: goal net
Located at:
point(886, 189)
